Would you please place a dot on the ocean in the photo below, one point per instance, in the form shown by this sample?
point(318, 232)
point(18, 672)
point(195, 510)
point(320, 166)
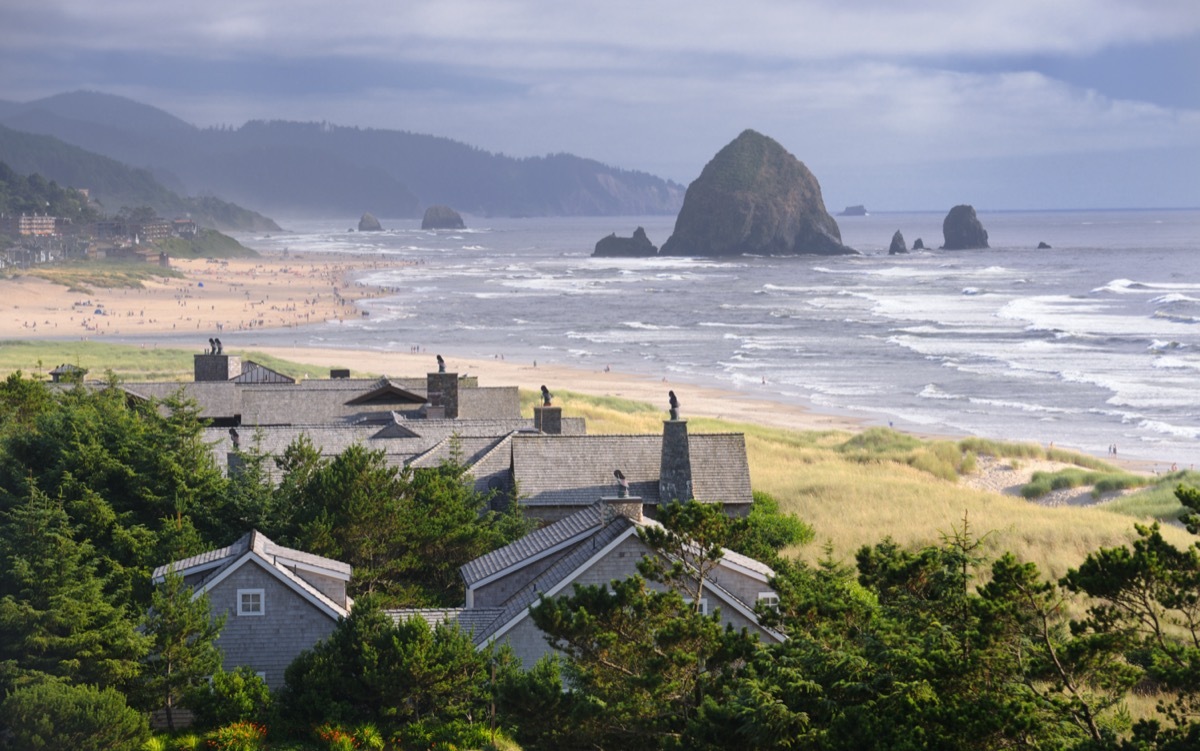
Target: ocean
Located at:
point(1091, 344)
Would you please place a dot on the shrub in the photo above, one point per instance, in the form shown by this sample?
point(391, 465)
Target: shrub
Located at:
point(52, 714)
point(238, 736)
point(231, 697)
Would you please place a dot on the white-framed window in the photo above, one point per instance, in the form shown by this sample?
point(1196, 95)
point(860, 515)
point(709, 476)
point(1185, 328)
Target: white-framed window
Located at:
point(251, 602)
point(703, 604)
point(769, 599)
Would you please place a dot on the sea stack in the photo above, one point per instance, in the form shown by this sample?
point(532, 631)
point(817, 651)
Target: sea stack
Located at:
point(638, 246)
point(754, 198)
point(369, 223)
point(962, 229)
point(918, 244)
point(442, 217)
point(898, 245)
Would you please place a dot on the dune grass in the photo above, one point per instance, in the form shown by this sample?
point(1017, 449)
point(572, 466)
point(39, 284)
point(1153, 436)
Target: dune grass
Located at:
point(129, 364)
point(85, 276)
point(857, 489)
point(1043, 483)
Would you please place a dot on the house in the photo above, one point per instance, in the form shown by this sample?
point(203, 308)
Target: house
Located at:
point(277, 601)
point(595, 545)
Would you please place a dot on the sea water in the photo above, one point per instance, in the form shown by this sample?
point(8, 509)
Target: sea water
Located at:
point(1091, 344)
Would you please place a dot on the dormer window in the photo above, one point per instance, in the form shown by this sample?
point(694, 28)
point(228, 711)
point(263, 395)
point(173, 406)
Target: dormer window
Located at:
point(250, 602)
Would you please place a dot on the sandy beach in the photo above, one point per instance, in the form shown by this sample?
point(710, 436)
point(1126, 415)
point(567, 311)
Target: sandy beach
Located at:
point(272, 291)
point(212, 296)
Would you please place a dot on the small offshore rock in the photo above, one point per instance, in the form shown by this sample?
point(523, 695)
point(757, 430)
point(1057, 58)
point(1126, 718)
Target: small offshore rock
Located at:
point(638, 246)
point(897, 246)
point(369, 223)
point(442, 217)
point(1043, 246)
point(918, 244)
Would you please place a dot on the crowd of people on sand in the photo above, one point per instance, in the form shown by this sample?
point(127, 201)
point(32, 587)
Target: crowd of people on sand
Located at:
point(322, 294)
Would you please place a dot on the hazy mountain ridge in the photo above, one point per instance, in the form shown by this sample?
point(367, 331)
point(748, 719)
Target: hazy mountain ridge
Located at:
point(115, 185)
point(321, 168)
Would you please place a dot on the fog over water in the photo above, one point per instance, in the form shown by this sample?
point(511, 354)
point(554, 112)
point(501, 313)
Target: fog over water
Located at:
point(1093, 343)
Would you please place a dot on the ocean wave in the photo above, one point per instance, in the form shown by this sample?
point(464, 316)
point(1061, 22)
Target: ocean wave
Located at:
point(1166, 428)
point(931, 391)
point(647, 326)
point(1161, 346)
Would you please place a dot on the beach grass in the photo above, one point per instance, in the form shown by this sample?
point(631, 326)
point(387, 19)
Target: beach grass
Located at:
point(86, 276)
point(129, 364)
point(857, 489)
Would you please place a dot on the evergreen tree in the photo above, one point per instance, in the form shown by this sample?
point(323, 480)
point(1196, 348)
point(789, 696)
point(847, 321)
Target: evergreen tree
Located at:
point(182, 652)
point(54, 615)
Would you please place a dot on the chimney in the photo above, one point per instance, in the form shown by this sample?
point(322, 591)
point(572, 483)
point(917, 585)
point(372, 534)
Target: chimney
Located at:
point(629, 507)
point(441, 391)
point(548, 420)
point(215, 367)
point(675, 469)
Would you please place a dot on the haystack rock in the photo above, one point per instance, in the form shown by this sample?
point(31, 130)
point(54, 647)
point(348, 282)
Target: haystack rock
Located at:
point(962, 229)
point(369, 223)
point(918, 244)
point(638, 246)
point(754, 198)
point(897, 246)
point(442, 217)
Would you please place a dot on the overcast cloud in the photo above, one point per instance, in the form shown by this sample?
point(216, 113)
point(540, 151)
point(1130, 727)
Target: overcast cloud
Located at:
point(899, 105)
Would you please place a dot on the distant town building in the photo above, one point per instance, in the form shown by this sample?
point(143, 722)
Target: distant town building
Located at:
point(40, 225)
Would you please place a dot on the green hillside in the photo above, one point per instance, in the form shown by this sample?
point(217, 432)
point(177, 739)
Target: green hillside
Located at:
point(114, 185)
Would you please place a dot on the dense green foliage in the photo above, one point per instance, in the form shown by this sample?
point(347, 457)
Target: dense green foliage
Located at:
point(207, 243)
point(36, 195)
point(52, 714)
point(374, 670)
point(183, 653)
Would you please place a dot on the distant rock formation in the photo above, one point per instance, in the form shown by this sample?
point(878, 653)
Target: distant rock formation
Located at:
point(918, 244)
point(858, 210)
point(369, 223)
point(754, 198)
point(962, 229)
point(897, 246)
point(442, 217)
point(1043, 246)
point(638, 246)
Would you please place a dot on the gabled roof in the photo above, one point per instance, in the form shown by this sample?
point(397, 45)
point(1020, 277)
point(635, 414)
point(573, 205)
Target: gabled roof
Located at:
point(576, 470)
point(385, 390)
point(581, 539)
point(252, 372)
point(534, 545)
point(255, 548)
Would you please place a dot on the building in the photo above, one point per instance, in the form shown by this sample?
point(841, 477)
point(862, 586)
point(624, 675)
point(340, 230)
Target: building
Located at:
point(595, 545)
point(276, 601)
point(38, 225)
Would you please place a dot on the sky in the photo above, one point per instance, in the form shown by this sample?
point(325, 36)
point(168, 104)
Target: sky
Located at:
point(895, 104)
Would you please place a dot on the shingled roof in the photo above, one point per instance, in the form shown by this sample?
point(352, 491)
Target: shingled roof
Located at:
point(281, 562)
point(575, 540)
point(576, 470)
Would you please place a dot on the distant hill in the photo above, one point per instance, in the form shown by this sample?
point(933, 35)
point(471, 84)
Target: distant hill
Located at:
point(114, 185)
point(280, 166)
